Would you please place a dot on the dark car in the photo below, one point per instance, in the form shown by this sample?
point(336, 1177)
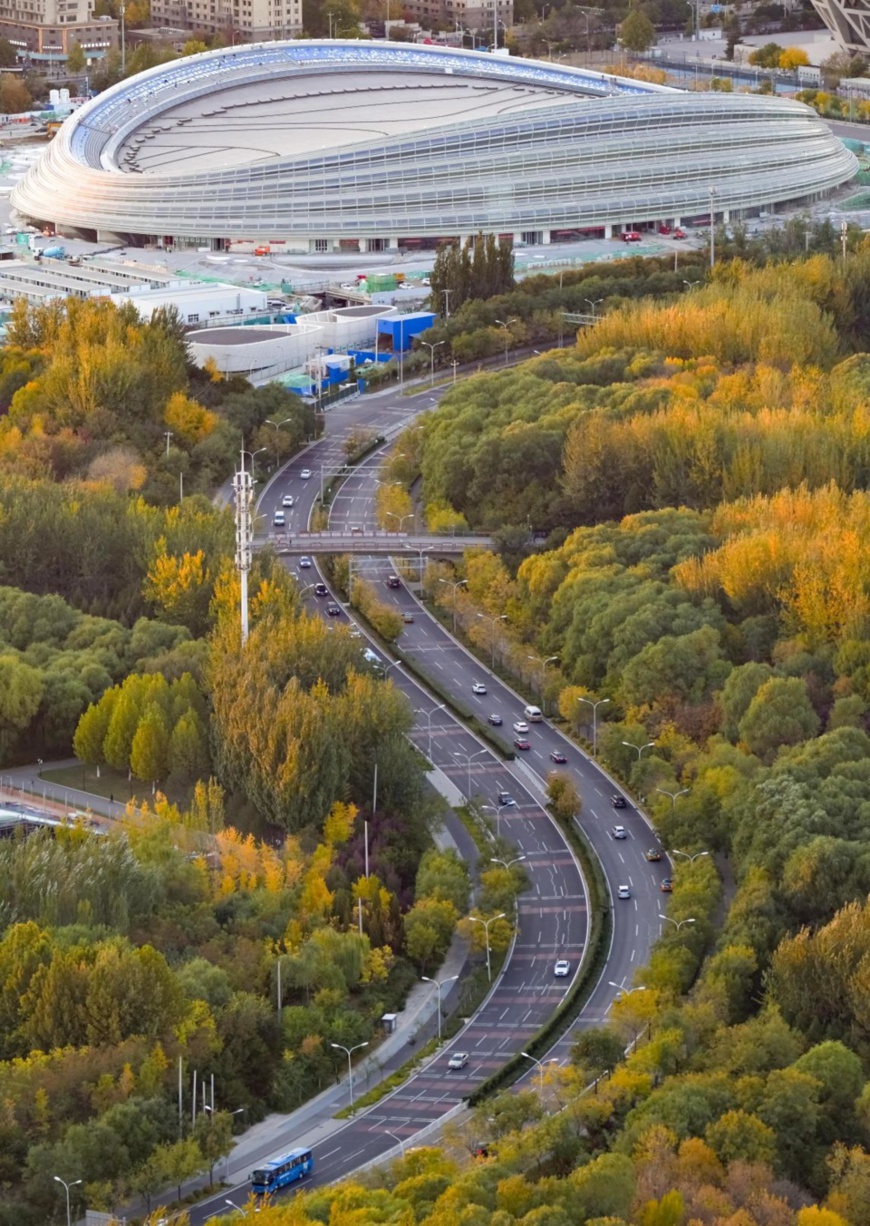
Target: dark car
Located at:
point(495, 720)
point(618, 802)
point(505, 799)
point(556, 755)
point(520, 742)
point(320, 589)
point(654, 855)
point(394, 581)
point(333, 610)
point(667, 886)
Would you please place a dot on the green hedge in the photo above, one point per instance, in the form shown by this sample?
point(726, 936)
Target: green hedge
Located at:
point(600, 924)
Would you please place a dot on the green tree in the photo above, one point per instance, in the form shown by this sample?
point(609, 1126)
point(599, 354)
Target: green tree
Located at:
point(637, 32)
point(780, 714)
point(739, 1136)
point(213, 1134)
point(149, 751)
point(75, 60)
point(21, 690)
point(188, 756)
point(90, 734)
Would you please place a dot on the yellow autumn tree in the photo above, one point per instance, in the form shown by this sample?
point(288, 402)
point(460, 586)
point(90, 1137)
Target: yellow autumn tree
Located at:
point(188, 420)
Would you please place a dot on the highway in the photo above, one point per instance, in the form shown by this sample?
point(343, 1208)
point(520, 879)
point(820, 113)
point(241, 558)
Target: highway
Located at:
point(552, 914)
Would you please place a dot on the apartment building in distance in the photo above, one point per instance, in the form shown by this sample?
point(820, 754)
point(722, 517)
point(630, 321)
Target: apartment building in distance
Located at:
point(46, 30)
point(478, 15)
point(243, 21)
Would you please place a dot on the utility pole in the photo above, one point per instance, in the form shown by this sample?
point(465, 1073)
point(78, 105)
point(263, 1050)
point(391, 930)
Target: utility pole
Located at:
point(243, 486)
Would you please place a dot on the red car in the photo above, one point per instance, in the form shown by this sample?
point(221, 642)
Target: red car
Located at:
point(520, 742)
point(630, 236)
point(664, 229)
point(678, 233)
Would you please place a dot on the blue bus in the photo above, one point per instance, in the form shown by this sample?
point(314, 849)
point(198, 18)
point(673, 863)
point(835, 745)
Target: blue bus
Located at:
point(281, 1171)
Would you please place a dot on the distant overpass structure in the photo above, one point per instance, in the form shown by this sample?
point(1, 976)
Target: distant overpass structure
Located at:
point(383, 543)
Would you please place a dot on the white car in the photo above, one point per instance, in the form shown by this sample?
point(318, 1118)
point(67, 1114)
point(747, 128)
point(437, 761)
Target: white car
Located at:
point(562, 968)
point(459, 1059)
point(304, 563)
point(619, 832)
point(287, 500)
point(305, 474)
point(279, 519)
point(478, 688)
point(623, 891)
point(521, 726)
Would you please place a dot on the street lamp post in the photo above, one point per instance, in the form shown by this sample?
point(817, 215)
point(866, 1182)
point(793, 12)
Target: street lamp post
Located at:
point(502, 617)
point(398, 1140)
point(432, 346)
point(252, 454)
point(638, 749)
point(419, 551)
point(506, 864)
point(697, 856)
point(401, 518)
point(349, 1051)
point(454, 584)
point(446, 293)
point(594, 704)
point(439, 984)
point(468, 759)
point(429, 715)
point(486, 923)
point(496, 809)
point(543, 664)
point(66, 1188)
point(506, 323)
point(593, 303)
point(678, 924)
point(277, 425)
point(541, 1064)
point(674, 797)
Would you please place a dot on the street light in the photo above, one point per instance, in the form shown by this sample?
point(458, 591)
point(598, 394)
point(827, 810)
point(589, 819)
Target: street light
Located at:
point(678, 924)
point(540, 1064)
point(543, 664)
point(496, 809)
point(506, 864)
point(66, 1188)
point(502, 323)
point(475, 919)
point(432, 346)
point(439, 984)
point(690, 284)
point(468, 759)
point(593, 303)
point(419, 551)
point(398, 1140)
point(639, 748)
point(277, 425)
point(502, 617)
point(454, 584)
point(676, 852)
point(350, 1051)
point(594, 704)
point(674, 796)
point(401, 518)
point(252, 454)
point(233, 1205)
point(429, 715)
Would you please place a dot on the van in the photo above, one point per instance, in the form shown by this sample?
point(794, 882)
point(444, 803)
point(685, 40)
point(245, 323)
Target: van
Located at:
point(533, 714)
point(374, 662)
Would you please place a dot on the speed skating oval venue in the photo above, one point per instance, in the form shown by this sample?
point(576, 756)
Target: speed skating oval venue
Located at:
point(343, 145)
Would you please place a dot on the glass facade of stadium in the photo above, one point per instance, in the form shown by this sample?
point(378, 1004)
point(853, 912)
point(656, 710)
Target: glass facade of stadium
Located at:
point(560, 152)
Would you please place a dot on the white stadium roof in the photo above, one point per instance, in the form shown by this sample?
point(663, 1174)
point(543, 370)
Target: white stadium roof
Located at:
point(323, 142)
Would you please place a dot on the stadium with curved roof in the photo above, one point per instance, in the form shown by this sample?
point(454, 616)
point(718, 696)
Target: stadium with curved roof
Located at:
point(330, 146)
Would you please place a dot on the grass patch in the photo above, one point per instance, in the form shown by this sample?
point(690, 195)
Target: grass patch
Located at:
point(111, 784)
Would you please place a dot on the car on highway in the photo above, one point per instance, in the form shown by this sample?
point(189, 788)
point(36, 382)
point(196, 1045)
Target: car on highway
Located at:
point(458, 1060)
point(333, 609)
point(619, 832)
point(667, 886)
point(556, 755)
point(521, 726)
point(279, 519)
point(305, 474)
point(623, 891)
point(562, 968)
point(478, 688)
point(618, 802)
point(320, 589)
point(495, 719)
point(653, 855)
point(287, 500)
point(520, 742)
point(394, 582)
point(304, 563)
point(407, 617)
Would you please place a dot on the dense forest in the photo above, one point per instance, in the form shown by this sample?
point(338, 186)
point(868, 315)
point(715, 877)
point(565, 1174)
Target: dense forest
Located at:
point(700, 467)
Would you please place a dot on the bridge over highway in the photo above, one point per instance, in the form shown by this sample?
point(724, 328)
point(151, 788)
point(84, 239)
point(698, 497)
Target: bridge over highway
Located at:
point(373, 542)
